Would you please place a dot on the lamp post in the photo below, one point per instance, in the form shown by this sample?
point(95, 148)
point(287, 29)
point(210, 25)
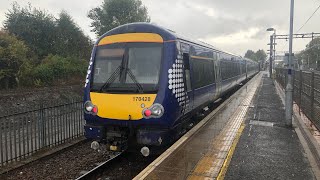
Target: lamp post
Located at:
point(272, 48)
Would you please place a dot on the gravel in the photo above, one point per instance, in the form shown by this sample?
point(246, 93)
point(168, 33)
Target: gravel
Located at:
point(71, 163)
point(67, 164)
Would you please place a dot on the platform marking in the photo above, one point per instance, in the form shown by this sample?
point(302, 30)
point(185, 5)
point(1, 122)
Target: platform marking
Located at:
point(226, 163)
point(261, 123)
point(213, 161)
point(214, 165)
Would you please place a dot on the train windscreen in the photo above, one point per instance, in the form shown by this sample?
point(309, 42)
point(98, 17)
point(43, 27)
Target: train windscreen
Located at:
point(127, 67)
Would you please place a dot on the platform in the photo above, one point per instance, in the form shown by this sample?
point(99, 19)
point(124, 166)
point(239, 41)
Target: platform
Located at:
point(244, 138)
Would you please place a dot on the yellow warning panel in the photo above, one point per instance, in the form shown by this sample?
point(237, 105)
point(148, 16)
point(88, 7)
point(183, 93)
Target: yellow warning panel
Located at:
point(121, 106)
point(131, 37)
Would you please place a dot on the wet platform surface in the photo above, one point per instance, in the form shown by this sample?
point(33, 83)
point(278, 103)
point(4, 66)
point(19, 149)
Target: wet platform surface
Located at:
point(267, 149)
point(244, 138)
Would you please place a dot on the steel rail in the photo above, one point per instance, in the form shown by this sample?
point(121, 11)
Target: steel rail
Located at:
point(94, 171)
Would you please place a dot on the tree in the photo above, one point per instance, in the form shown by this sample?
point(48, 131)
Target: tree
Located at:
point(260, 55)
point(13, 53)
point(70, 40)
point(44, 34)
point(250, 54)
point(311, 55)
point(33, 38)
point(34, 26)
point(113, 13)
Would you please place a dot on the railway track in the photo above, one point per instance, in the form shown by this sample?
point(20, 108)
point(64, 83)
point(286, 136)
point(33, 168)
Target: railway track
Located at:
point(124, 165)
point(98, 169)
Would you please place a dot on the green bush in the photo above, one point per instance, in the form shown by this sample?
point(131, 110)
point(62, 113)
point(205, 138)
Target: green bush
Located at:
point(26, 74)
point(13, 52)
point(55, 68)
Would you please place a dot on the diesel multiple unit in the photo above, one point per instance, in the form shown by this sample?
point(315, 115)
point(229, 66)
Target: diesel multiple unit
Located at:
point(145, 84)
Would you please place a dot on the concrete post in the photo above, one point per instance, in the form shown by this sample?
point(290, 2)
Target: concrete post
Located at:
point(289, 87)
point(270, 58)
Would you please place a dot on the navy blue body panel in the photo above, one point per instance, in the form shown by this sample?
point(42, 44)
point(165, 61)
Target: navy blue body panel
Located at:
point(204, 94)
point(229, 83)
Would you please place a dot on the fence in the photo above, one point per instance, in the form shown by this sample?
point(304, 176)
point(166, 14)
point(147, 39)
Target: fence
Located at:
point(306, 91)
point(26, 132)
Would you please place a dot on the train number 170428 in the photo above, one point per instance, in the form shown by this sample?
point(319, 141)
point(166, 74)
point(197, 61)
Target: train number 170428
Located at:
point(141, 98)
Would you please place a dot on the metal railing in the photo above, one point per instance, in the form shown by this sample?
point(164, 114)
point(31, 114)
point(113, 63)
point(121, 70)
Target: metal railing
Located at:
point(306, 91)
point(47, 125)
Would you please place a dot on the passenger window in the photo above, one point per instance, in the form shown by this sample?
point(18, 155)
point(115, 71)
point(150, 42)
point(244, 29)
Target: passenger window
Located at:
point(203, 72)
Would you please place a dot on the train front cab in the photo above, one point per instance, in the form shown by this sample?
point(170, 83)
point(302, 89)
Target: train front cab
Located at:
point(130, 96)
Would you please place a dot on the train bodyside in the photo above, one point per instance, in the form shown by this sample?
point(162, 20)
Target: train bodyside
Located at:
point(126, 102)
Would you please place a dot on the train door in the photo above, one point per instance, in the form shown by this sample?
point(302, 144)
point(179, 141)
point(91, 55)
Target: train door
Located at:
point(187, 76)
point(218, 74)
point(189, 103)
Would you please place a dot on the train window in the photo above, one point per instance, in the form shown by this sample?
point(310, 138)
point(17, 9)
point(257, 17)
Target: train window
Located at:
point(208, 67)
point(229, 69)
point(106, 62)
point(141, 62)
point(144, 62)
point(186, 59)
point(203, 72)
point(196, 73)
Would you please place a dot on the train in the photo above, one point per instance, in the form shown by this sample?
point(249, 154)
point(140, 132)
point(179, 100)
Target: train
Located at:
point(145, 84)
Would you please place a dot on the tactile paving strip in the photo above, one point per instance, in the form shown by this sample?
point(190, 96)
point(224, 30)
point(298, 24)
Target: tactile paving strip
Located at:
point(209, 166)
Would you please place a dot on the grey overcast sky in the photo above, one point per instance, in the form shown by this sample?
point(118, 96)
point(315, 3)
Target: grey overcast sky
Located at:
point(231, 25)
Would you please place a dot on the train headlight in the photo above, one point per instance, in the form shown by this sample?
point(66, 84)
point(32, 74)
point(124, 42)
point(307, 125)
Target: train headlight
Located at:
point(155, 111)
point(89, 108)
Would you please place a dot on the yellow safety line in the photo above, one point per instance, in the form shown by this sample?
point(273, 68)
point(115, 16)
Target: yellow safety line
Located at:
point(227, 161)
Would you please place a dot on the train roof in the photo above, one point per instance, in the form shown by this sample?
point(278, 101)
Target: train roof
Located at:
point(166, 34)
point(142, 28)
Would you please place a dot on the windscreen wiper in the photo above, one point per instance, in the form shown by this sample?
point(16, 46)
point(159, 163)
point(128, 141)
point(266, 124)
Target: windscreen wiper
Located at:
point(140, 88)
point(112, 78)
